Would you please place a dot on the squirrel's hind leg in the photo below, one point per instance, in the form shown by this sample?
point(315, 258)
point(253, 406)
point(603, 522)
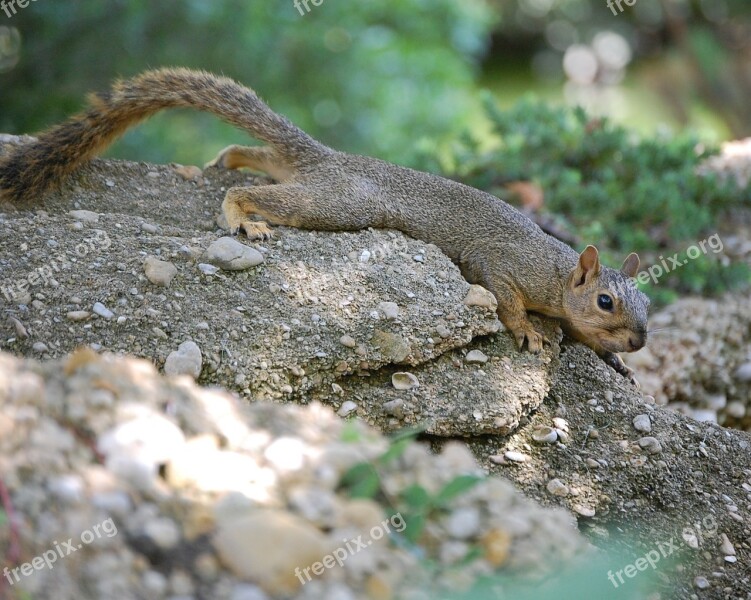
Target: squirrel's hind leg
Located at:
point(257, 158)
point(280, 204)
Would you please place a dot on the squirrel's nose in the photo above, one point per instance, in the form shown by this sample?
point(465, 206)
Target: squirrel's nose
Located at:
point(636, 341)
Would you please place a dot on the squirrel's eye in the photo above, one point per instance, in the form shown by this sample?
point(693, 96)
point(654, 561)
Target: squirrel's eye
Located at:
point(605, 302)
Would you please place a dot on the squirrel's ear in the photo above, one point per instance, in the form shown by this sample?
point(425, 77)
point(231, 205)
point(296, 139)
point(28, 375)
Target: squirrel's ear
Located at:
point(588, 267)
point(631, 265)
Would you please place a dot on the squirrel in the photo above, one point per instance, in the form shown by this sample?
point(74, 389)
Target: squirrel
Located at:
point(319, 188)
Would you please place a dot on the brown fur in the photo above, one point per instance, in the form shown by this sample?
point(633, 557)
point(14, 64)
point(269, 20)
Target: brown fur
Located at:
point(319, 188)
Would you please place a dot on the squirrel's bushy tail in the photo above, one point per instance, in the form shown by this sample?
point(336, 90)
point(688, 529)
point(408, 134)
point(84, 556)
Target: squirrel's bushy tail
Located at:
point(32, 169)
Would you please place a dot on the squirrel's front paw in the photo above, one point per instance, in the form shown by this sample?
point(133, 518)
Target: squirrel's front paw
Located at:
point(534, 339)
point(615, 361)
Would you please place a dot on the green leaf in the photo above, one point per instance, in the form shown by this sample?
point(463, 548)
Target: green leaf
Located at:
point(362, 481)
point(456, 487)
point(416, 497)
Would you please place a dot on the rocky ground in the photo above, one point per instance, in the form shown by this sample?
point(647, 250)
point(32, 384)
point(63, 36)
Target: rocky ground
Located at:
point(130, 259)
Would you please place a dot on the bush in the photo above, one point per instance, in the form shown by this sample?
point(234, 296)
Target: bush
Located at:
point(618, 191)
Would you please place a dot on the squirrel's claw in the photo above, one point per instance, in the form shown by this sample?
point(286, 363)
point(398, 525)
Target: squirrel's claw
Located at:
point(615, 361)
point(535, 340)
point(257, 230)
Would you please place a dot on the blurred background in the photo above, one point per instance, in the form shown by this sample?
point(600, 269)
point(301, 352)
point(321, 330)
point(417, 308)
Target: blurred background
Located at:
point(479, 90)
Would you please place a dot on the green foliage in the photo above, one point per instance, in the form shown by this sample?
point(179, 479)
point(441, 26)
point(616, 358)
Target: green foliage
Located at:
point(366, 77)
point(617, 191)
point(415, 503)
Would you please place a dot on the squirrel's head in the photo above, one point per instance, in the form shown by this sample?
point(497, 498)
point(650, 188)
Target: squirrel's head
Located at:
point(604, 306)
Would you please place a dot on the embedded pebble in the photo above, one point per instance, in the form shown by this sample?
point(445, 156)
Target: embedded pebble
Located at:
point(163, 531)
point(267, 546)
point(443, 331)
point(188, 172)
point(726, 546)
point(390, 310)
point(476, 357)
point(159, 272)
point(101, 310)
point(19, 328)
point(186, 360)
point(743, 373)
point(149, 228)
point(395, 408)
point(701, 582)
point(651, 445)
point(86, 216)
point(347, 341)
point(464, 523)
point(404, 381)
point(584, 511)
point(479, 296)
point(642, 423)
point(40, 347)
point(558, 488)
point(347, 408)
point(208, 269)
point(543, 434)
point(78, 315)
point(515, 456)
point(229, 254)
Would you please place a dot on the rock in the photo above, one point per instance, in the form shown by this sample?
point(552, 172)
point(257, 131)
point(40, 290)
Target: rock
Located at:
point(651, 445)
point(497, 544)
point(515, 456)
point(154, 584)
point(229, 254)
point(159, 272)
point(101, 310)
point(404, 381)
point(701, 582)
point(86, 216)
point(347, 341)
point(189, 172)
point(642, 423)
point(163, 531)
point(558, 488)
point(78, 315)
point(40, 347)
point(151, 439)
point(463, 523)
point(149, 228)
point(266, 546)
point(743, 373)
point(395, 408)
point(347, 408)
point(479, 296)
point(247, 591)
point(208, 269)
point(19, 328)
point(286, 454)
point(476, 357)
point(393, 347)
point(390, 310)
point(186, 360)
point(544, 435)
